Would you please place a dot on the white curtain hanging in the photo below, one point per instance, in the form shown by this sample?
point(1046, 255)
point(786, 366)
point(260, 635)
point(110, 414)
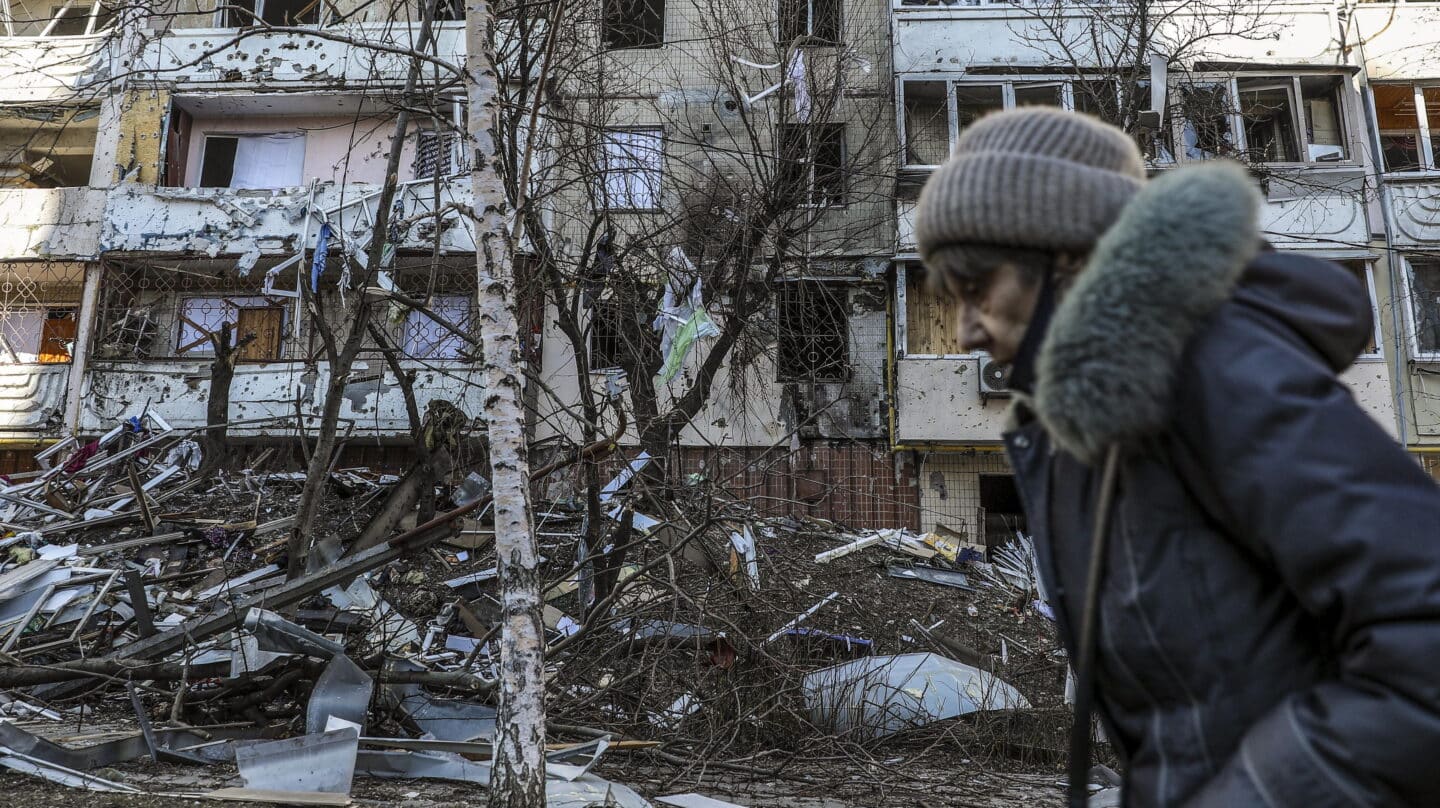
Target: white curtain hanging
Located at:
point(269, 161)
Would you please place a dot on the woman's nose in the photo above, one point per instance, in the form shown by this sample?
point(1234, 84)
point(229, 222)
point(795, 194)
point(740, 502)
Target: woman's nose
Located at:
point(972, 335)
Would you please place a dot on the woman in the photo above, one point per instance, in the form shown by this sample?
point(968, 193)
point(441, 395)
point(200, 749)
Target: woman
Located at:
point(1263, 601)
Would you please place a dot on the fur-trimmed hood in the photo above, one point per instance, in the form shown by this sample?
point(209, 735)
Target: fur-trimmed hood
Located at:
point(1106, 369)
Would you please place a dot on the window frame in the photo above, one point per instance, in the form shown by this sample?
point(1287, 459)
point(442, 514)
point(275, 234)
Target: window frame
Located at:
point(808, 26)
point(202, 349)
point(1426, 143)
point(847, 370)
point(222, 16)
point(1412, 323)
point(604, 170)
point(902, 319)
point(606, 28)
point(1379, 336)
point(810, 165)
point(1239, 140)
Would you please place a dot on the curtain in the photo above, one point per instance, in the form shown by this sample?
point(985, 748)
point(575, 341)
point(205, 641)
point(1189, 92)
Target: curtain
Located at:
point(269, 161)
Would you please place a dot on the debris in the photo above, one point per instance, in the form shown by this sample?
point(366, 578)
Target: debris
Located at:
point(882, 695)
point(931, 574)
point(321, 762)
point(801, 618)
point(694, 801)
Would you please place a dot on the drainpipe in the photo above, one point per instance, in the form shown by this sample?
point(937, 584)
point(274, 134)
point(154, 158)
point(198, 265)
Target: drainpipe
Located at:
point(1400, 380)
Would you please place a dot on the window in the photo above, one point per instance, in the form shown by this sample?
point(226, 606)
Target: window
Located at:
point(814, 338)
point(1406, 140)
point(812, 158)
point(930, 319)
point(630, 170)
point(819, 19)
point(1324, 128)
point(927, 123)
point(36, 334)
point(1206, 127)
point(1047, 94)
point(434, 154)
point(1268, 111)
point(606, 340)
point(634, 24)
point(1425, 302)
point(974, 101)
point(1361, 270)
point(1100, 98)
point(202, 316)
point(253, 161)
point(272, 12)
point(426, 339)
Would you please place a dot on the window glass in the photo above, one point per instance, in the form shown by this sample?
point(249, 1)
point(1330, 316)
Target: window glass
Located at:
point(1425, 302)
point(1039, 95)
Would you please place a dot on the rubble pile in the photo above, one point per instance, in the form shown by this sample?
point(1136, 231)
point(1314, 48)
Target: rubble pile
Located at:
point(146, 613)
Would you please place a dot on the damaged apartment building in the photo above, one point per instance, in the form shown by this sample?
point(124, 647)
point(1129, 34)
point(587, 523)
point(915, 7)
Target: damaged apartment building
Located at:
point(195, 169)
point(1330, 104)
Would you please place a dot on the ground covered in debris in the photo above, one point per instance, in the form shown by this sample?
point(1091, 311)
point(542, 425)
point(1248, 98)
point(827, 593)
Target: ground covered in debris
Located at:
point(692, 646)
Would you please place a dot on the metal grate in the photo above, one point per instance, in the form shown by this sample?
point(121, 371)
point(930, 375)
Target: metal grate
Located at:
point(814, 335)
point(38, 302)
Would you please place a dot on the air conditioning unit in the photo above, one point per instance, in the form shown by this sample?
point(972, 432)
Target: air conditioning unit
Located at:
point(994, 379)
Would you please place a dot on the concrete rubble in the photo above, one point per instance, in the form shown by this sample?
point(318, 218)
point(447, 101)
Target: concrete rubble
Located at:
point(138, 592)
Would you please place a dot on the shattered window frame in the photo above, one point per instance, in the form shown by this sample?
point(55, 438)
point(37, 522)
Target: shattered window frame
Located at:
point(633, 25)
point(812, 325)
point(254, 16)
point(191, 336)
point(1421, 321)
point(801, 151)
point(910, 278)
point(1424, 101)
point(1363, 269)
point(822, 20)
point(98, 19)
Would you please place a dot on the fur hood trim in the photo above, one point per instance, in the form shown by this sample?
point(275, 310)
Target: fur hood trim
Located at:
point(1106, 370)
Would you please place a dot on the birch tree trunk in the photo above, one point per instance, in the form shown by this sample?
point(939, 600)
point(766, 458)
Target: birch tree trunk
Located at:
point(518, 778)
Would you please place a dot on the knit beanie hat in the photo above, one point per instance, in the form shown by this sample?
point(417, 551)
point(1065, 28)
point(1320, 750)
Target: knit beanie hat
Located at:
point(1035, 177)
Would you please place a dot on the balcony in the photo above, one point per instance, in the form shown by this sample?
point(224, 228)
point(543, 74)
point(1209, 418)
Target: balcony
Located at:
point(255, 56)
point(50, 222)
point(224, 221)
point(937, 400)
point(178, 391)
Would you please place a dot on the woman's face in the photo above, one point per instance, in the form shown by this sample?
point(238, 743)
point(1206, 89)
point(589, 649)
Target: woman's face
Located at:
point(994, 311)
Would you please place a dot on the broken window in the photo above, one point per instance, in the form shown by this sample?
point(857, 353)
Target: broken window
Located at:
point(812, 159)
point(1206, 126)
point(930, 319)
point(426, 339)
point(819, 19)
point(1324, 127)
point(1043, 94)
point(1406, 140)
point(630, 170)
point(927, 123)
point(1100, 98)
point(434, 153)
point(974, 101)
point(255, 317)
point(253, 161)
point(36, 335)
point(242, 13)
point(75, 18)
point(634, 24)
point(1425, 302)
point(1267, 112)
point(1361, 270)
point(606, 336)
point(47, 147)
point(814, 336)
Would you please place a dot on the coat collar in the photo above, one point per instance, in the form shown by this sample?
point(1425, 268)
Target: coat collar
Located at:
point(1106, 370)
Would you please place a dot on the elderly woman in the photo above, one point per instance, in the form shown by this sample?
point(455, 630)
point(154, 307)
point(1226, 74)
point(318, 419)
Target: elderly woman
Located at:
point(1245, 567)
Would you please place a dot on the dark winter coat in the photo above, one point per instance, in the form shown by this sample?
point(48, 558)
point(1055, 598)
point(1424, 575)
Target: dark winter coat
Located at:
point(1269, 627)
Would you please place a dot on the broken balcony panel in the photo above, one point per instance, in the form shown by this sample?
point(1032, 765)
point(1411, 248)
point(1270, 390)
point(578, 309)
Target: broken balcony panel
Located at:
point(277, 635)
point(879, 696)
point(444, 719)
point(18, 762)
point(343, 691)
point(322, 762)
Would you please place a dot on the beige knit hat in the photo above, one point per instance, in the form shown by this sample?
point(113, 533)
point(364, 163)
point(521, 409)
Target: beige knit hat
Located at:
point(1033, 177)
